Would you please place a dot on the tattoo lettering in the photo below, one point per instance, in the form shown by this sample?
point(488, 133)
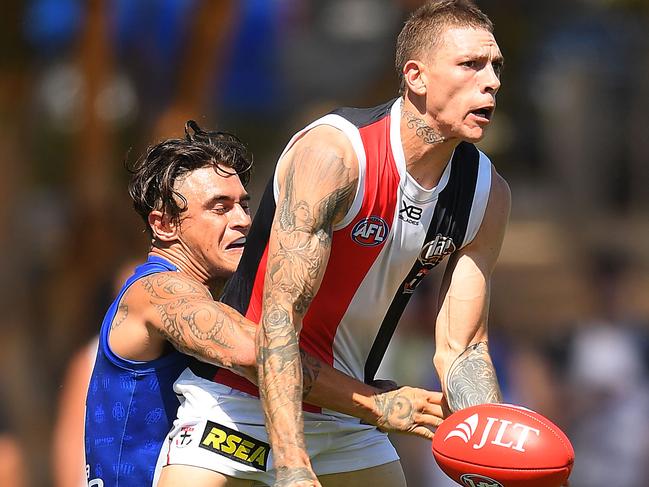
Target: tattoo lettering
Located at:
point(472, 380)
point(423, 131)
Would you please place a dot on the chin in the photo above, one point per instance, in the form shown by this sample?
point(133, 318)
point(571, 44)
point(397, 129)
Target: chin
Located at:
point(473, 136)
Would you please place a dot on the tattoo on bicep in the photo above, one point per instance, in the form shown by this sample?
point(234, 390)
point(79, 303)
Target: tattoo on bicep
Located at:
point(423, 131)
point(472, 380)
point(120, 316)
point(304, 231)
point(302, 234)
point(189, 319)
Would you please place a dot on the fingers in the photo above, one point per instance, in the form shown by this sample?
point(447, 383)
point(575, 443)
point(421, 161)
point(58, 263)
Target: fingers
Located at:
point(428, 420)
point(435, 397)
point(434, 410)
point(423, 432)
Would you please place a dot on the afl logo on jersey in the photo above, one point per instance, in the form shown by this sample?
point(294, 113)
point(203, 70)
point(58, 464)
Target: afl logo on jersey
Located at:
point(370, 231)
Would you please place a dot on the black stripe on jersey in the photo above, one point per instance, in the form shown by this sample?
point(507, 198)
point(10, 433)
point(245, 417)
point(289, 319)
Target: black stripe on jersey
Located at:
point(362, 117)
point(238, 289)
point(450, 219)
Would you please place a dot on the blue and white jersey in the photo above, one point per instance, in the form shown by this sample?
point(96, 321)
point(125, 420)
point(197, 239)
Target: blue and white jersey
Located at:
point(130, 405)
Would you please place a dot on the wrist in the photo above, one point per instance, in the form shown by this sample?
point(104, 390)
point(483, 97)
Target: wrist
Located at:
point(292, 459)
point(366, 407)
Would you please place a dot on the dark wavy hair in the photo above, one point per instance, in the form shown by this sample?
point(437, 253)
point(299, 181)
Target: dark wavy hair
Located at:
point(154, 175)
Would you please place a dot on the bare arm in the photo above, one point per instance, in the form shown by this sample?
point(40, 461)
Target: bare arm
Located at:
point(405, 409)
point(462, 355)
point(172, 307)
point(317, 178)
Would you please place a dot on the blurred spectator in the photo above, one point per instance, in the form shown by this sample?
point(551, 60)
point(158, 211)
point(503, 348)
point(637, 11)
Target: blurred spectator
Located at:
point(12, 459)
point(68, 463)
point(585, 67)
point(68, 466)
point(608, 384)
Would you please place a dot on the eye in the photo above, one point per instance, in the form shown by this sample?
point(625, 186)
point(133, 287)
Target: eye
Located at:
point(498, 68)
point(472, 64)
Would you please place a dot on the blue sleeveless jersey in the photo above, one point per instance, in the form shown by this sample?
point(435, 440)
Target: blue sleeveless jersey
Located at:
point(130, 405)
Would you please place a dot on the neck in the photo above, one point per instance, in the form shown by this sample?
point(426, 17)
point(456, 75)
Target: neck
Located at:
point(185, 264)
point(426, 151)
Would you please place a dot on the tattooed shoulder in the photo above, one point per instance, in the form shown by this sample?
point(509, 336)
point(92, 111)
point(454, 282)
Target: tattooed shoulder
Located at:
point(173, 285)
point(120, 316)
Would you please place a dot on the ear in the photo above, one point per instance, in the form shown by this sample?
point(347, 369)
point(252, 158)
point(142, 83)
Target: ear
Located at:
point(162, 226)
point(415, 77)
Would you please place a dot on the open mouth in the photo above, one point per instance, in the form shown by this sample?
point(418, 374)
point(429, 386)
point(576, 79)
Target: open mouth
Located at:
point(237, 244)
point(484, 113)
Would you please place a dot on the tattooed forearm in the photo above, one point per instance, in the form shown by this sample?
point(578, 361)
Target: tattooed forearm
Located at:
point(289, 476)
point(299, 249)
point(423, 131)
point(472, 380)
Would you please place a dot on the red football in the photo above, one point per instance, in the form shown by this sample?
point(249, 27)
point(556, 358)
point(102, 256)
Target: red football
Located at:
point(501, 445)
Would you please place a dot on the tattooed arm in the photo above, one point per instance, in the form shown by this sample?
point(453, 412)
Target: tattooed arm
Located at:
point(395, 409)
point(462, 356)
point(172, 307)
point(317, 179)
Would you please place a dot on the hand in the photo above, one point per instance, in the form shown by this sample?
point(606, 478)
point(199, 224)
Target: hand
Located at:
point(384, 385)
point(409, 410)
point(296, 477)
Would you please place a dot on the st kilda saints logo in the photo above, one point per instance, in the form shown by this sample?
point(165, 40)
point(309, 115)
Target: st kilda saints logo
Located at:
point(475, 480)
point(432, 253)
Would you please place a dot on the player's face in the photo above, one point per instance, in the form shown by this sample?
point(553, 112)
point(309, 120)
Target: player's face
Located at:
point(462, 79)
point(213, 229)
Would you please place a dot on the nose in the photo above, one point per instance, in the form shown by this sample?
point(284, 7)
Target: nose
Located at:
point(492, 83)
point(240, 218)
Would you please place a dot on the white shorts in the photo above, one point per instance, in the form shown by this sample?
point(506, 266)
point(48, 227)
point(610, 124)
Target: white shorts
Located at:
point(222, 429)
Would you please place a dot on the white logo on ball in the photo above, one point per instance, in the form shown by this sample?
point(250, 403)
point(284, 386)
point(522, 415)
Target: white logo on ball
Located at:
point(465, 429)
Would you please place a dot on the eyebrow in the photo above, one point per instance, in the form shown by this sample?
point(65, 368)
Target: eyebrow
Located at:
point(219, 198)
point(499, 59)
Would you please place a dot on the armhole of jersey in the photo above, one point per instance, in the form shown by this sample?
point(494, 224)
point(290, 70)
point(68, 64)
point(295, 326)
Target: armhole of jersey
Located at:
point(104, 337)
point(354, 136)
point(480, 199)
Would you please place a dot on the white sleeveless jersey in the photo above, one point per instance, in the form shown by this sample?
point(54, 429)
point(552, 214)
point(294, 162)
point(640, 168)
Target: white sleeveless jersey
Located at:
point(393, 234)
